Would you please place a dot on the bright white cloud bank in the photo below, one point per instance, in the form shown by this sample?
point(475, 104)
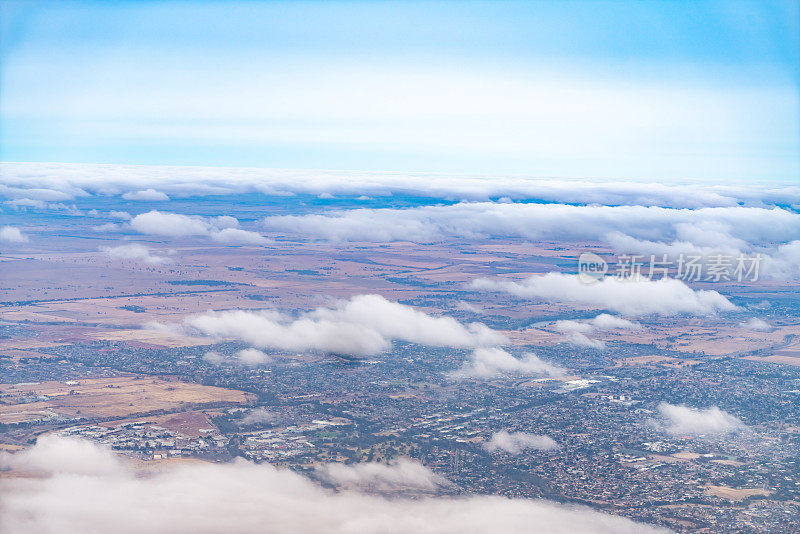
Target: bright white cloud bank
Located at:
point(12, 234)
point(84, 488)
point(59, 182)
point(679, 420)
point(517, 442)
point(629, 297)
point(220, 229)
point(366, 324)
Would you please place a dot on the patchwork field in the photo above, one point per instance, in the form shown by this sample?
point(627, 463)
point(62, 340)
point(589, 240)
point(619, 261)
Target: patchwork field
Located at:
point(115, 397)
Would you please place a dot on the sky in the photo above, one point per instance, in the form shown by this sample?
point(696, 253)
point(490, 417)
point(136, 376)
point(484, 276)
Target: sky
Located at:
point(642, 90)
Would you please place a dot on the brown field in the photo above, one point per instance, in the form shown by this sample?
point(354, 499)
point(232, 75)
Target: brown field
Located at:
point(735, 494)
point(116, 397)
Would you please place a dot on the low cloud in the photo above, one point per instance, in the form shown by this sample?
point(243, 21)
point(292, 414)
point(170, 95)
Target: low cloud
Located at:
point(213, 357)
point(169, 224)
point(756, 324)
point(135, 252)
point(490, 362)
point(468, 307)
point(629, 297)
point(149, 195)
point(259, 416)
point(402, 474)
point(576, 332)
point(252, 357)
point(222, 229)
point(72, 496)
point(63, 181)
point(516, 442)
point(682, 420)
point(12, 234)
point(363, 325)
point(236, 236)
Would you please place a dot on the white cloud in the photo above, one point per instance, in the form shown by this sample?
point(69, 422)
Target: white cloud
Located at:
point(576, 331)
point(225, 221)
point(247, 498)
point(213, 357)
point(134, 251)
point(150, 195)
point(644, 230)
point(582, 340)
point(59, 182)
point(756, 324)
point(516, 442)
point(629, 297)
point(466, 306)
point(169, 224)
point(222, 229)
point(26, 203)
point(236, 236)
point(253, 357)
point(401, 474)
point(680, 420)
point(490, 362)
point(258, 416)
point(12, 234)
point(703, 226)
point(366, 324)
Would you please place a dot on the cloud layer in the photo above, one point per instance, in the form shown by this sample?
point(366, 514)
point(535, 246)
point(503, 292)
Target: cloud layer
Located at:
point(363, 325)
point(89, 490)
point(59, 182)
point(628, 297)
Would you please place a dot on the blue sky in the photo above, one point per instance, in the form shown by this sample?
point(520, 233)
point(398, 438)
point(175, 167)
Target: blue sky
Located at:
point(690, 91)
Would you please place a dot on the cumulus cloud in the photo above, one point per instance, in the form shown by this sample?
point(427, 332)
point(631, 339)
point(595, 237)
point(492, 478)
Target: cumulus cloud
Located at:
point(135, 252)
point(150, 195)
point(756, 324)
point(576, 331)
point(236, 236)
point(253, 357)
point(402, 474)
point(516, 442)
point(169, 224)
point(248, 498)
point(222, 229)
point(627, 296)
point(680, 420)
point(12, 234)
point(490, 362)
point(363, 325)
